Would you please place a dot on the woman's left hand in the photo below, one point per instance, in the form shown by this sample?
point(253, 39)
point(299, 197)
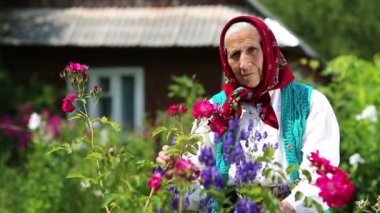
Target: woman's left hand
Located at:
point(285, 207)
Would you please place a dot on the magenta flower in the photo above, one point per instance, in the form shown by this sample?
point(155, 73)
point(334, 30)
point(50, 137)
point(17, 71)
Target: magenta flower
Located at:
point(218, 125)
point(175, 110)
point(186, 169)
point(68, 103)
point(203, 109)
point(323, 165)
point(53, 126)
point(155, 181)
point(76, 67)
point(337, 190)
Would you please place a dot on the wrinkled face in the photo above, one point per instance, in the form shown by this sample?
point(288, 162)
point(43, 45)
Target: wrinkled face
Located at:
point(245, 56)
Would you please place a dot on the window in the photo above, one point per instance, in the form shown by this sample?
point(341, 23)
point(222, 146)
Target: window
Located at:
point(122, 97)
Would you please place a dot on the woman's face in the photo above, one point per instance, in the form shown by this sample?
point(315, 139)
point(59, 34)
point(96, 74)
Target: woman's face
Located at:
point(245, 56)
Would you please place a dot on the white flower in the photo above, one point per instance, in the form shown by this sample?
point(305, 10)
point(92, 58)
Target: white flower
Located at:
point(355, 159)
point(34, 121)
point(369, 113)
point(85, 184)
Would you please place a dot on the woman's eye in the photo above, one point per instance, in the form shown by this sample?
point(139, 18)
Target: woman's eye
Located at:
point(235, 55)
point(252, 50)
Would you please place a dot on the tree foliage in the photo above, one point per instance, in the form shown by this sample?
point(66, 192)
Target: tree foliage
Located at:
point(332, 27)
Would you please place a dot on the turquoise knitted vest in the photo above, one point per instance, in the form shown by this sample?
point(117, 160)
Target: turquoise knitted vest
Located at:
point(295, 108)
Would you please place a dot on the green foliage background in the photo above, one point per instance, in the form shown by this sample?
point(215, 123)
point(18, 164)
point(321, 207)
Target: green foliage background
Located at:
point(333, 27)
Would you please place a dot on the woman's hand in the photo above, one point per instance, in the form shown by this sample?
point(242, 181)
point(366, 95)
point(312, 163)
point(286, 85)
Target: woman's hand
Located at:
point(162, 157)
point(285, 207)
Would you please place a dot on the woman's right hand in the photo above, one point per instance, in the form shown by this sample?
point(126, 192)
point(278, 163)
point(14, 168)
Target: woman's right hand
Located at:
point(162, 157)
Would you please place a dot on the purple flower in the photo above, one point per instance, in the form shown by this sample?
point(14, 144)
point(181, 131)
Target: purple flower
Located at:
point(246, 172)
point(265, 134)
point(216, 138)
point(173, 140)
point(276, 145)
point(174, 204)
point(159, 170)
point(258, 135)
point(228, 146)
point(244, 135)
point(205, 204)
point(250, 125)
point(207, 157)
point(233, 123)
point(246, 206)
point(238, 155)
point(211, 176)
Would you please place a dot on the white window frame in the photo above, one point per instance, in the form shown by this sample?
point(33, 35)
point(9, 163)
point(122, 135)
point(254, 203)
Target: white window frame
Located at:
point(115, 75)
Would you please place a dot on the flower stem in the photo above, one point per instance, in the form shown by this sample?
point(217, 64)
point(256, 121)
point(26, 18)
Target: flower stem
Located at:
point(91, 127)
point(181, 201)
point(147, 202)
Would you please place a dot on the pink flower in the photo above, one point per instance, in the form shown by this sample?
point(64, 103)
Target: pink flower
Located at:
point(77, 67)
point(68, 103)
point(323, 165)
point(203, 108)
point(186, 169)
point(176, 110)
point(53, 126)
point(337, 190)
point(218, 125)
point(155, 181)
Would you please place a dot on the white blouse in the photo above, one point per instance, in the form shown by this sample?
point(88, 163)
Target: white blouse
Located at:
point(321, 133)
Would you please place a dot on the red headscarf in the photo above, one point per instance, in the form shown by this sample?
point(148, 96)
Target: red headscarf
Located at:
point(276, 74)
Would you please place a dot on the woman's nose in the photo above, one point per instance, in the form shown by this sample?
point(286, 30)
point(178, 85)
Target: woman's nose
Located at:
point(244, 61)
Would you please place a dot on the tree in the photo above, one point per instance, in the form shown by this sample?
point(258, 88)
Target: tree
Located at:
point(332, 27)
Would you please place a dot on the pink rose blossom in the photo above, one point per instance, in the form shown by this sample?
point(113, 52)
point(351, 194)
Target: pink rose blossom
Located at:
point(186, 169)
point(337, 190)
point(218, 125)
point(77, 67)
point(68, 103)
point(323, 165)
point(155, 181)
point(176, 110)
point(203, 108)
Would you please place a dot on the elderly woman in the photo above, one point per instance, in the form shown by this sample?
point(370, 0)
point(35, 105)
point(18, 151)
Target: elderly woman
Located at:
point(293, 118)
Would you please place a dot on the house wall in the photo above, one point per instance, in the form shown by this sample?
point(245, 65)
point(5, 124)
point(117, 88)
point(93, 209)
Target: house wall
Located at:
point(159, 64)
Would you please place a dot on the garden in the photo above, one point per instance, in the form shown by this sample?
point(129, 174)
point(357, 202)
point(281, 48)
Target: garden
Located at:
point(63, 160)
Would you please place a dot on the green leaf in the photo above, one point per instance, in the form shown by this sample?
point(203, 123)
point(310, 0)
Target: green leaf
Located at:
point(269, 152)
point(292, 168)
point(159, 130)
point(103, 119)
point(75, 175)
point(76, 116)
point(267, 172)
point(108, 199)
point(307, 174)
point(115, 125)
point(64, 146)
point(308, 202)
point(299, 195)
point(94, 156)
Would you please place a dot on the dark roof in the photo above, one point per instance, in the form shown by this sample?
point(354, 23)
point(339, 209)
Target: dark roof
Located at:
point(182, 26)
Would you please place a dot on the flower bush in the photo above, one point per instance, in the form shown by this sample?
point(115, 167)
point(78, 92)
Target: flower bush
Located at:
point(336, 189)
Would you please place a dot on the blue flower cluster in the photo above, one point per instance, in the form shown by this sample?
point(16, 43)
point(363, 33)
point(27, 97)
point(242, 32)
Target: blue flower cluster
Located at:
point(210, 175)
